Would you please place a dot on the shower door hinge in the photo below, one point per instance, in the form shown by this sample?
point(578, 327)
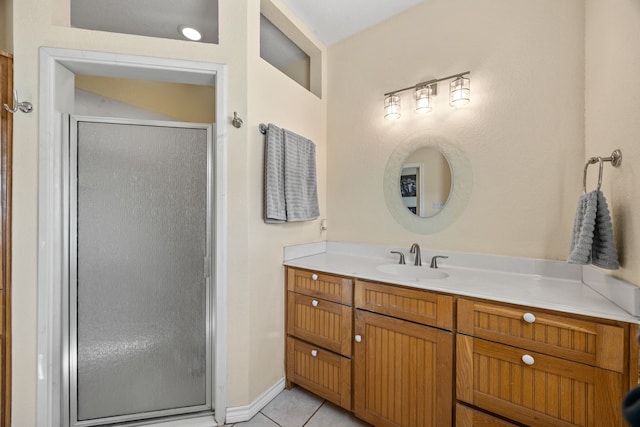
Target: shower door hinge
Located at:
point(207, 267)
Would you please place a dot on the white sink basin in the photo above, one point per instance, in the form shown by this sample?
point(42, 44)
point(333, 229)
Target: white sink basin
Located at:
point(412, 271)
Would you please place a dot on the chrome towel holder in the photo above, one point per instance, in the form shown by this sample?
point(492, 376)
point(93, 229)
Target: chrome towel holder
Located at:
point(615, 159)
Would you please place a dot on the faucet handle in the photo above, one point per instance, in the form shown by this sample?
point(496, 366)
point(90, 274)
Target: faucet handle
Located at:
point(434, 260)
point(401, 256)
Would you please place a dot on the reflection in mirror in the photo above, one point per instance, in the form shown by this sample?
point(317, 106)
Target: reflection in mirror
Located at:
point(453, 197)
point(425, 182)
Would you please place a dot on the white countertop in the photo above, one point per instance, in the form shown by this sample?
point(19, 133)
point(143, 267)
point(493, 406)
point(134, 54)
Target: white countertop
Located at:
point(560, 290)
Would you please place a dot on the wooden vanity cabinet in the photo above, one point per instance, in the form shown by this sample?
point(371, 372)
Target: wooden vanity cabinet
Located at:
point(538, 368)
point(319, 333)
point(402, 364)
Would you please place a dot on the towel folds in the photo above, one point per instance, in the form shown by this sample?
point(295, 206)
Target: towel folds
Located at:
point(290, 192)
point(593, 241)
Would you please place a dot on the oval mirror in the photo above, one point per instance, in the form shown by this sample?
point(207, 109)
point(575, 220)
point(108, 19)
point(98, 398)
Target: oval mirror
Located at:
point(427, 183)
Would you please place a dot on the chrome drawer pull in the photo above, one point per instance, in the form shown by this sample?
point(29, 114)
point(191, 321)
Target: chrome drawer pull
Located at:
point(529, 317)
point(314, 277)
point(314, 353)
point(314, 303)
point(528, 360)
point(358, 338)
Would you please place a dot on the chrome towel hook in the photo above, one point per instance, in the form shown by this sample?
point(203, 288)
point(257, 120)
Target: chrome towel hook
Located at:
point(615, 159)
point(236, 121)
point(24, 106)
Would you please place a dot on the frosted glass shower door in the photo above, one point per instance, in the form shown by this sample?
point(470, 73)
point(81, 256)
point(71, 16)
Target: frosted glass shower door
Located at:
point(139, 294)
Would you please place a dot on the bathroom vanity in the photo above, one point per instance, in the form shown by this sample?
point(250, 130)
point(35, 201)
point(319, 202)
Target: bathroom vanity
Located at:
point(459, 350)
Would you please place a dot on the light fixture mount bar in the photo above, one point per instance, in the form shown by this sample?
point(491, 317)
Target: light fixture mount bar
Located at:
point(428, 83)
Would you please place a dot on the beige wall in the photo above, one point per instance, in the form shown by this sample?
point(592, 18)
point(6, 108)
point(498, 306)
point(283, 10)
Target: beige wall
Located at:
point(523, 131)
point(182, 102)
point(613, 117)
point(256, 92)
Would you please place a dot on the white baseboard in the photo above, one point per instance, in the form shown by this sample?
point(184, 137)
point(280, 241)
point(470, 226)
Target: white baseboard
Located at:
point(245, 413)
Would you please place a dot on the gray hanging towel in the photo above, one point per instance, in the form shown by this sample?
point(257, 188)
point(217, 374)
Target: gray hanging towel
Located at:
point(593, 241)
point(300, 186)
point(275, 210)
point(290, 192)
point(604, 253)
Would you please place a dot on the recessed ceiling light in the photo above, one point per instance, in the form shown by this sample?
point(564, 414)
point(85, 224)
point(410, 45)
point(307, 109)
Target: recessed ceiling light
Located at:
point(189, 32)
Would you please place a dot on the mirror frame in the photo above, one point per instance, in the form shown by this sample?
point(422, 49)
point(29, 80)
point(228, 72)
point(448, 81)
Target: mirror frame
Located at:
point(459, 195)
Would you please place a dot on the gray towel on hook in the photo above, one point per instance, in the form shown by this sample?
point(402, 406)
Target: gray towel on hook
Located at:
point(290, 192)
point(593, 240)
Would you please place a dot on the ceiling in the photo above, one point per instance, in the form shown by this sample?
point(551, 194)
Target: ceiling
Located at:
point(335, 20)
point(330, 20)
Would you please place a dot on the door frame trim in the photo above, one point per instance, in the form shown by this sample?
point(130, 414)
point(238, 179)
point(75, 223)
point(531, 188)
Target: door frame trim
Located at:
point(57, 67)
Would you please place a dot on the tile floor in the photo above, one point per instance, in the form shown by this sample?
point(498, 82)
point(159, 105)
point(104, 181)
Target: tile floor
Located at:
point(298, 408)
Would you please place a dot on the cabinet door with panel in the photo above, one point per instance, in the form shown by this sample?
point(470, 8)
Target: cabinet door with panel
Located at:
point(402, 372)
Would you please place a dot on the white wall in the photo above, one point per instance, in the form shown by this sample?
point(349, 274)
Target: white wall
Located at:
point(255, 322)
point(613, 117)
point(523, 131)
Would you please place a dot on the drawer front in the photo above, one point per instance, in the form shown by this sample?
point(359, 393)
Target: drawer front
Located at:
point(540, 391)
point(320, 285)
point(588, 342)
point(469, 417)
point(417, 306)
point(320, 371)
point(323, 323)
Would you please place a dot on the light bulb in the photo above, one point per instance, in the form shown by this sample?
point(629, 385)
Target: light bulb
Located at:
point(189, 33)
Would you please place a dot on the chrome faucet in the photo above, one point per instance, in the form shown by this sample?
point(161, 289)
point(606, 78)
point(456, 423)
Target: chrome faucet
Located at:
point(434, 260)
point(415, 249)
point(401, 256)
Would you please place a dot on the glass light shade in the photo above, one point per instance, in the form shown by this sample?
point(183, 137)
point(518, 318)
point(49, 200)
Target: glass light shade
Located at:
point(459, 91)
point(423, 99)
point(392, 107)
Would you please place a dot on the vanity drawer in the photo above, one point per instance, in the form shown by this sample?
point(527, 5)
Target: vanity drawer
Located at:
point(324, 323)
point(414, 305)
point(590, 342)
point(320, 285)
point(469, 417)
point(320, 371)
point(537, 390)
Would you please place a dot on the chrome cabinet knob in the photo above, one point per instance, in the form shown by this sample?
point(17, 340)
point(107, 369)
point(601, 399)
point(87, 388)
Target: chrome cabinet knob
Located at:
point(529, 317)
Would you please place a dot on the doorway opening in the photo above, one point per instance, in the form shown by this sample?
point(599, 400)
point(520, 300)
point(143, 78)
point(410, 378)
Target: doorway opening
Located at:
point(59, 68)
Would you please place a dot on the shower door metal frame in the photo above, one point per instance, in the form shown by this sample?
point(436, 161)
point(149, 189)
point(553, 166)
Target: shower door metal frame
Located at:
point(70, 328)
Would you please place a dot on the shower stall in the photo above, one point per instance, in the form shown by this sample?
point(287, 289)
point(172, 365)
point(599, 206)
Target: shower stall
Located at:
point(139, 318)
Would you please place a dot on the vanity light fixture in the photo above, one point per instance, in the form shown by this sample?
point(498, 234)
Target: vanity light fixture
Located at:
point(391, 106)
point(189, 33)
point(459, 94)
point(423, 97)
